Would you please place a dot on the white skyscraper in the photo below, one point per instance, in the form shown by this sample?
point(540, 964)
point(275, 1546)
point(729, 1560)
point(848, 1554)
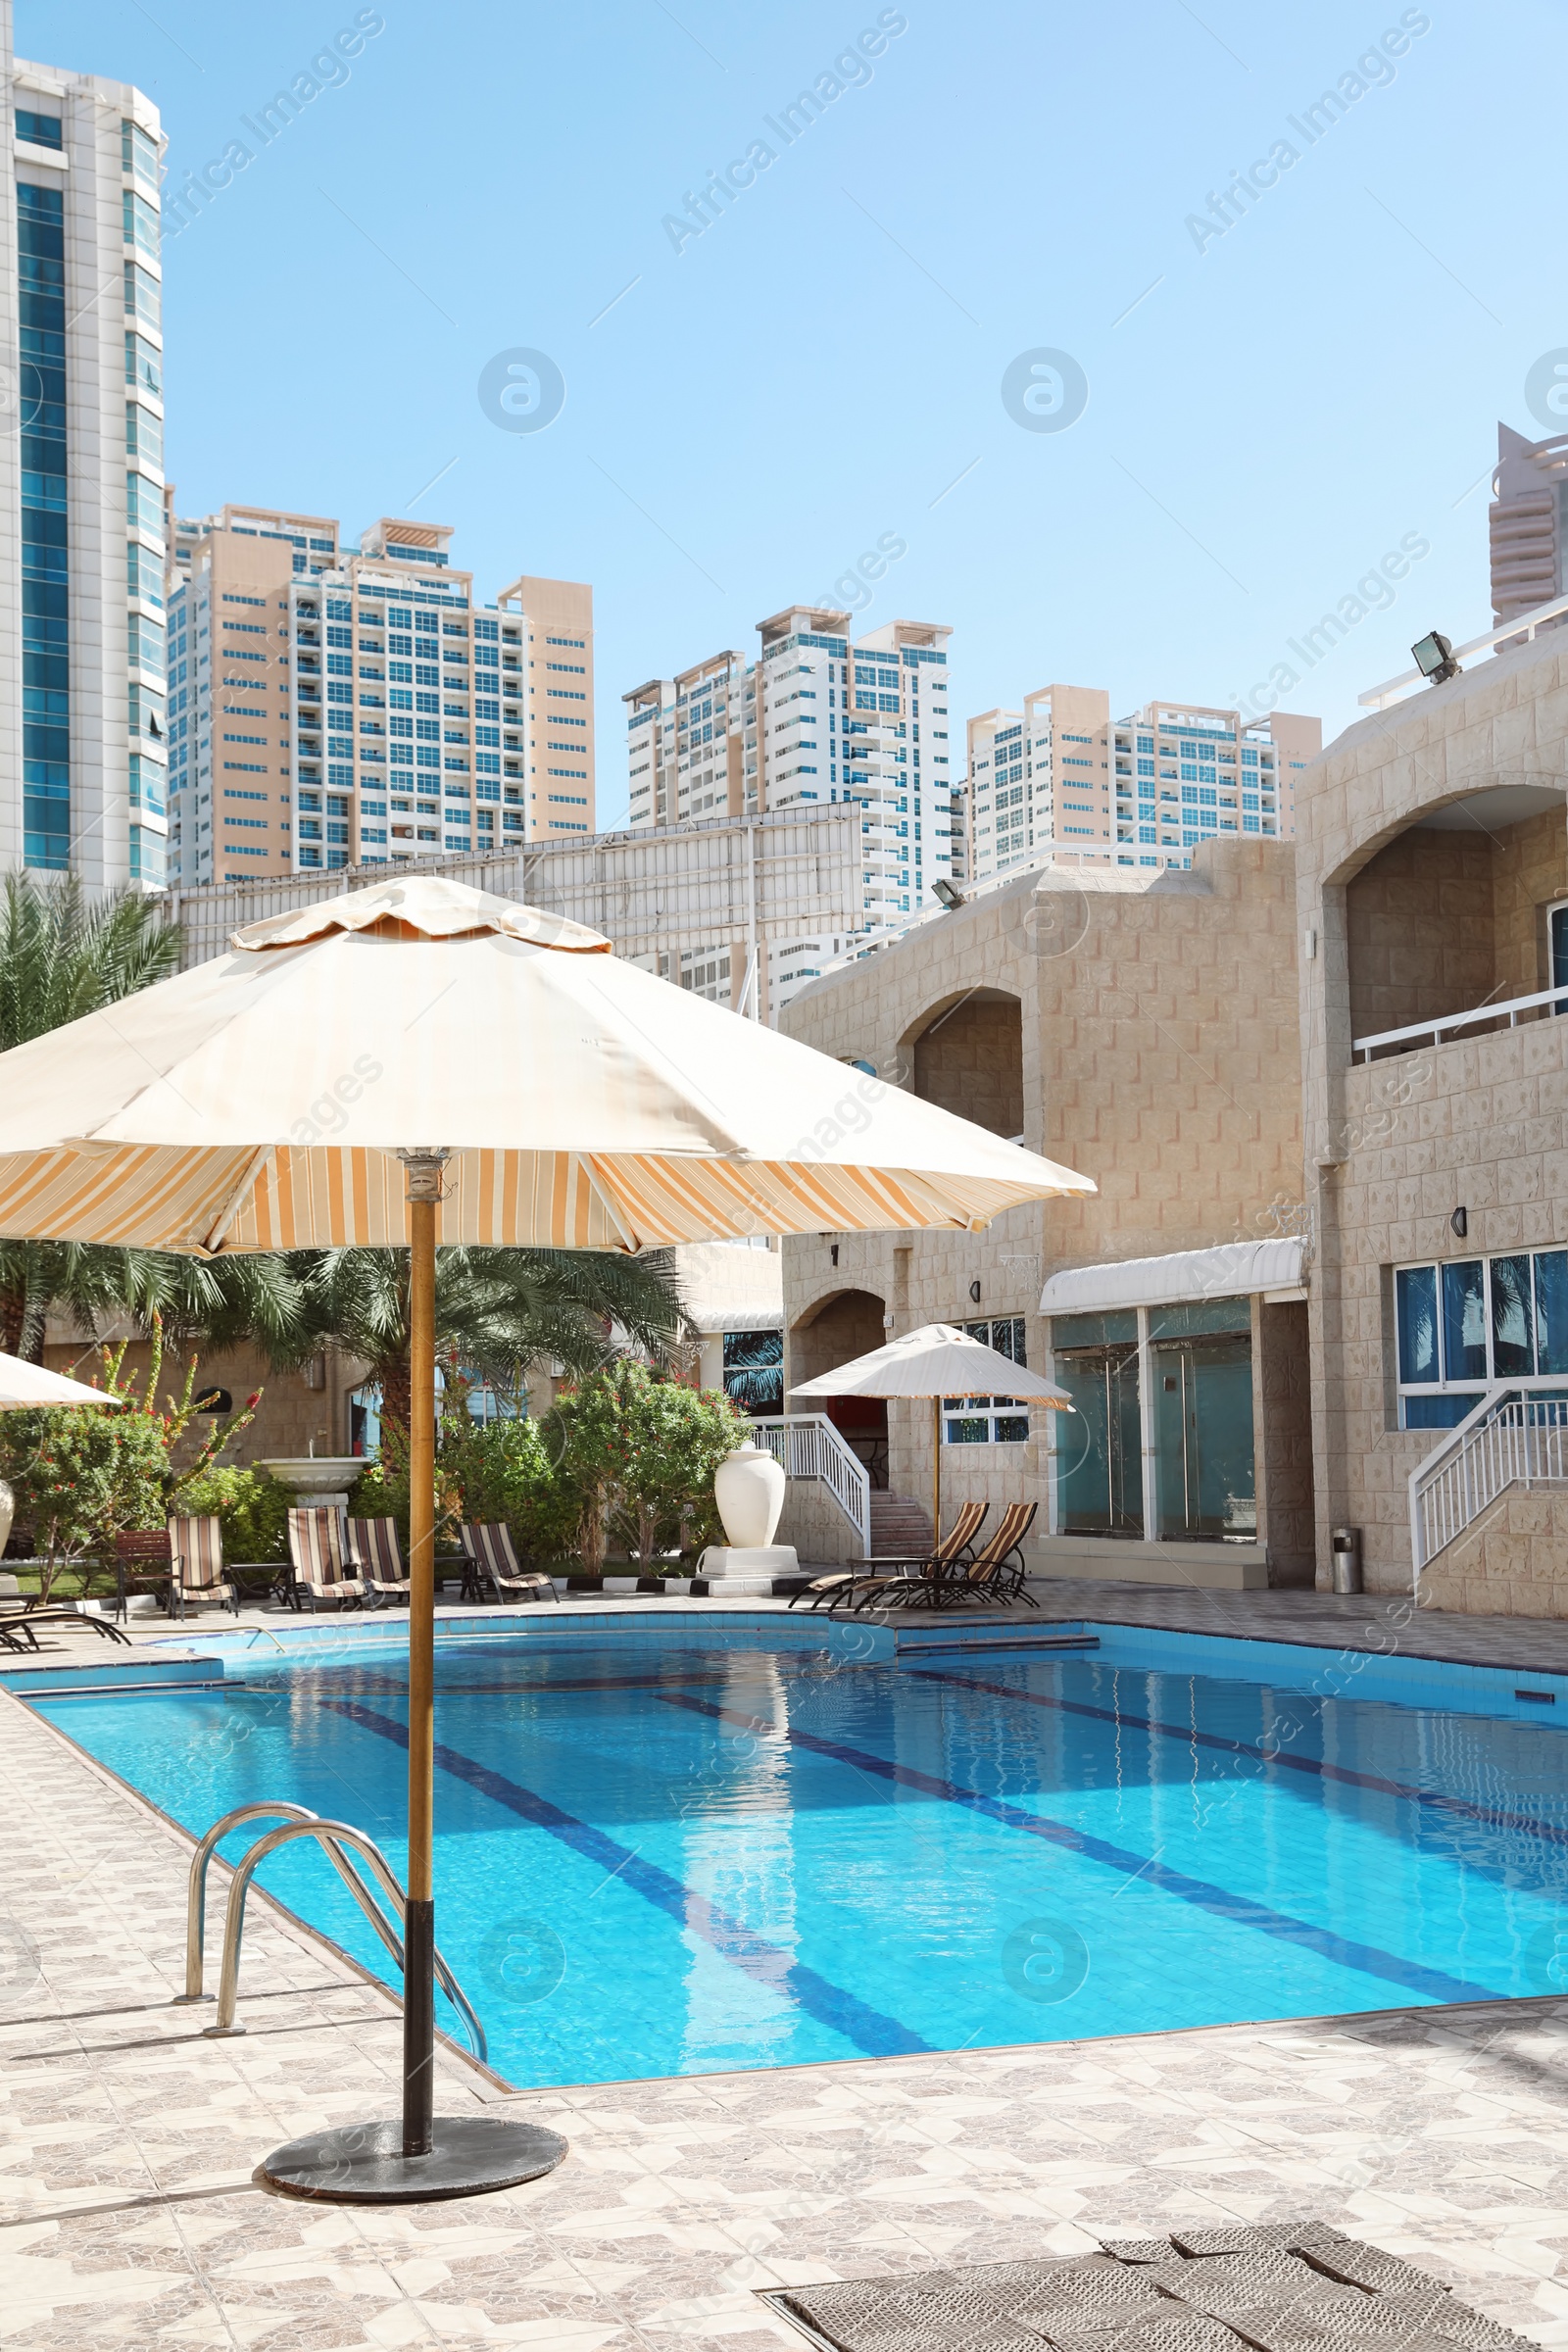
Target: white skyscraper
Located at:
point(83, 756)
point(815, 717)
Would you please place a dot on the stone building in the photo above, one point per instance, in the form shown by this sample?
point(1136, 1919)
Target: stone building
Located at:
point(1322, 1089)
point(1432, 906)
point(1146, 1030)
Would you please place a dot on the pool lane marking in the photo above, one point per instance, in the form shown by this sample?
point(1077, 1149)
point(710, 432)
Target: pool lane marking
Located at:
point(753, 1955)
point(1344, 1952)
point(1490, 1815)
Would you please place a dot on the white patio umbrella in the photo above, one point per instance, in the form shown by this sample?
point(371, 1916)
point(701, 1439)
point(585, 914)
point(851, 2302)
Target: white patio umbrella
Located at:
point(938, 1360)
point(417, 1062)
point(23, 1385)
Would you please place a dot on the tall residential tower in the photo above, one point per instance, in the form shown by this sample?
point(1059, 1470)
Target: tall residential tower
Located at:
point(1057, 780)
point(334, 705)
point(813, 717)
point(81, 497)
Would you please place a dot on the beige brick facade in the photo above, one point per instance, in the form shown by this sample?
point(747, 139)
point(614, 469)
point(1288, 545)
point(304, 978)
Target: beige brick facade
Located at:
point(1143, 1029)
point(1418, 918)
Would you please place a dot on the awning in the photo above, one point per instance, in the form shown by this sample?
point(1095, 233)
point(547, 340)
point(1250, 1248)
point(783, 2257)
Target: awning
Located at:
point(1234, 1270)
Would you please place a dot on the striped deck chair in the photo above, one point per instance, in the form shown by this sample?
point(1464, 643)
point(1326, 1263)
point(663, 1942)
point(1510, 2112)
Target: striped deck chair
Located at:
point(196, 1557)
point(373, 1554)
point(489, 1547)
point(957, 1540)
point(997, 1572)
point(320, 1571)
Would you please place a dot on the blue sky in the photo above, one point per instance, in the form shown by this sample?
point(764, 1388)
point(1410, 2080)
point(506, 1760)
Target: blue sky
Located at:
point(822, 368)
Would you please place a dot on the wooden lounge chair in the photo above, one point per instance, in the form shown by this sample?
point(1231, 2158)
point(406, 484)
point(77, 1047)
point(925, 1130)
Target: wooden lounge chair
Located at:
point(316, 1548)
point(495, 1562)
point(196, 1564)
point(373, 1554)
point(997, 1571)
point(143, 1562)
point(954, 1545)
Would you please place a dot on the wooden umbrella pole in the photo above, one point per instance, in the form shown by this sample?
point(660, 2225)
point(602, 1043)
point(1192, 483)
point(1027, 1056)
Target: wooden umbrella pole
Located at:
point(418, 1974)
point(936, 1473)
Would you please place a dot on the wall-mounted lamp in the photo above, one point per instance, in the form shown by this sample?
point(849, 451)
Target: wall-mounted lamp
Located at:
point(1459, 1222)
point(947, 897)
point(833, 1254)
point(974, 1291)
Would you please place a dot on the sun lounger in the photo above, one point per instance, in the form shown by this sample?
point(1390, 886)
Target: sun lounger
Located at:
point(957, 1540)
point(489, 1547)
point(995, 1573)
point(320, 1571)
point(196, 1564)
point(373, 1554)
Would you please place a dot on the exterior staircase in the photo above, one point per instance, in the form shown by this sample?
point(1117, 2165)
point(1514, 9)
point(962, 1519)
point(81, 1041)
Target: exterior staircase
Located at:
point(900, 1528)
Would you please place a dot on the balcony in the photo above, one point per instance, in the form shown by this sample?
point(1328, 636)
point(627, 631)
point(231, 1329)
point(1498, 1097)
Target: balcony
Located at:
point(1459, 924)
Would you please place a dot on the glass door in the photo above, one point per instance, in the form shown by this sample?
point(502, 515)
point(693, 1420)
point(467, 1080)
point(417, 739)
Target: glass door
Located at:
point(1205, 1479)
point(1098, 1460)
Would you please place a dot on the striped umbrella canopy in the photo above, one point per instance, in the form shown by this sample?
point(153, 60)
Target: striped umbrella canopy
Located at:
point(418, 1062)
point(262, 1100)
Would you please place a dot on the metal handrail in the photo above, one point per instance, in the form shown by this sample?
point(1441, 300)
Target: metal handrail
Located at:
point(1513, 1437)
point(808, 1445)
point(334, 1836)
point(1511, 1005)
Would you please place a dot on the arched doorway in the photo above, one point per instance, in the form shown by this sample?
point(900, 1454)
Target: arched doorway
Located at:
point(843, 1327)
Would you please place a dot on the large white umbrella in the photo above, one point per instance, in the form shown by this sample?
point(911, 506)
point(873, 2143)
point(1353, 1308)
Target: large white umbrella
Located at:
point(23, 1385)
point(938, 1360)
point(420, 1061)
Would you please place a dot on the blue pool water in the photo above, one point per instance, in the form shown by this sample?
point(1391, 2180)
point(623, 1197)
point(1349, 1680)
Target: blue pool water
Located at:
point(660, 1860)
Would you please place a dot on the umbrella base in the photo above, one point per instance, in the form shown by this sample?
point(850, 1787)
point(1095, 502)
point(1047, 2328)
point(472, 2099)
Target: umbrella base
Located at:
point(364, 2163)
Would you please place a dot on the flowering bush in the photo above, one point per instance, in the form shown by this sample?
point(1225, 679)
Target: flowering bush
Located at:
point(83, 1477)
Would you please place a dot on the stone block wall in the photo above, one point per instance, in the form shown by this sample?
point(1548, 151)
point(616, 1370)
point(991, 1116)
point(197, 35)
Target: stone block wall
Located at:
point(1160, 1032)
point(1479, 1122)
point(1513, 1562)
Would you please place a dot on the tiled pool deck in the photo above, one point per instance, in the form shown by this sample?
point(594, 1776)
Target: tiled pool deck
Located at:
point(128, 2215)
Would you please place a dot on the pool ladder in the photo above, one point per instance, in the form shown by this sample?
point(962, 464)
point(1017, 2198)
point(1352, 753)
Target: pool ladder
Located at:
point(336, 1839)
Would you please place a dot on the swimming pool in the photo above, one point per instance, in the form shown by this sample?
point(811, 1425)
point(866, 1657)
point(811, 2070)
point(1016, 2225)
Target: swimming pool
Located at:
point(757, 1850)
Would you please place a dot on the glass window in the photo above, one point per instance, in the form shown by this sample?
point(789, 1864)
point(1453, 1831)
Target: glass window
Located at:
point(1464, 1321)
point(1513, 1342)
point(1551, 1310)
point(982, 1420)
point(1415, 1295)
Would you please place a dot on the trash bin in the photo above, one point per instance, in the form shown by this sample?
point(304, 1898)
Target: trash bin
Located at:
point(1344, 1544)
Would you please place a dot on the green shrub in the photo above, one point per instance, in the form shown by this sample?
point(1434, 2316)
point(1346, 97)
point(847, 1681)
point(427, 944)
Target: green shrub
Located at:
point(639, 1451)
point(251, 1510)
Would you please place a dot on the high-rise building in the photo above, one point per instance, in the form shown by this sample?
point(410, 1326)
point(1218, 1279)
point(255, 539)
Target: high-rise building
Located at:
point(82, 420)
point(1057, 780)
point(813, 717)
point(333, 705)
point(1528, 522)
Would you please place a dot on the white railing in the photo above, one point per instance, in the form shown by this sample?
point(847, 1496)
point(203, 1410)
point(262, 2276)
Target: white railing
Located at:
point(1523, 626)
point(1513, 1437)
point(1432, 1032)
point(809, 1446)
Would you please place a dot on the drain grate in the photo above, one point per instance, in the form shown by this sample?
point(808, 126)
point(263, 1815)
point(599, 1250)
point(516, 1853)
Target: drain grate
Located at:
point(1275, 2288)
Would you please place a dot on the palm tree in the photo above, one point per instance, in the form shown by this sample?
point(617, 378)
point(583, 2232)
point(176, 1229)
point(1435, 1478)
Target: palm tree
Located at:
point(60, 960)
point(497, 1311)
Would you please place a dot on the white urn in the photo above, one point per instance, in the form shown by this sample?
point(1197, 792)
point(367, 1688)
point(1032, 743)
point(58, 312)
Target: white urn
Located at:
point(8, 1511)
point(749, 1490)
